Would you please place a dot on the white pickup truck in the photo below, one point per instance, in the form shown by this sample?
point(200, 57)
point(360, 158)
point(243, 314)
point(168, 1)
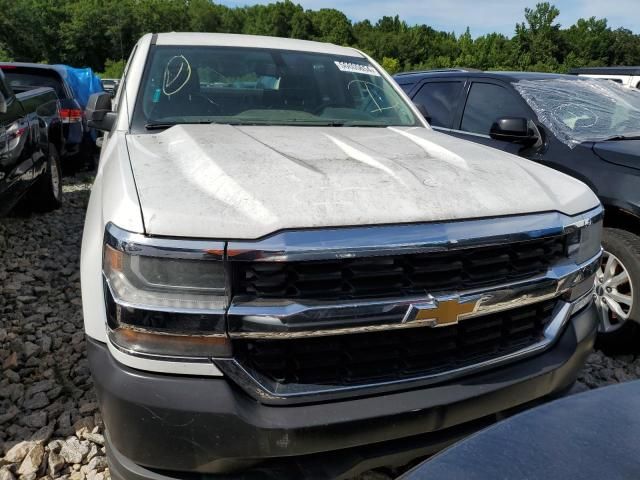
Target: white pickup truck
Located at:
point(627, 76)
point(285, 270)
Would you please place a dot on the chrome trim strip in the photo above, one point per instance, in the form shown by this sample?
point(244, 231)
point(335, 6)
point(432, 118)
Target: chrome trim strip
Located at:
point(286, 319)
point(160, 308)
point(264, 389)
point(151, 356)
point(352, 242)
point(138, 244)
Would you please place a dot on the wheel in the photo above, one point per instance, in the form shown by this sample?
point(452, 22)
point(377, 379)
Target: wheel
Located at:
point(47, 193)
point(617, 291)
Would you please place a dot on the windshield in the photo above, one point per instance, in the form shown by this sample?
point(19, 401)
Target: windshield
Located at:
point(263, 86)
point(585, 110)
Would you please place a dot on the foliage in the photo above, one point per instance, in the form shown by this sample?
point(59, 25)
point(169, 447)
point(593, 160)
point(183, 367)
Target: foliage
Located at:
point(112, 69)
point(4, 54)
point(391, 65)
point(100, 33)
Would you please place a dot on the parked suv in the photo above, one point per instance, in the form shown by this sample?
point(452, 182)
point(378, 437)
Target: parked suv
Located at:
point(79, 146)
point(29, 162)
point(589, 129)
point(285, 270)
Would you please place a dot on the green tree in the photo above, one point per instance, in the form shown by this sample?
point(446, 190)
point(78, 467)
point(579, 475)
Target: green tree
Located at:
point(5, 56)
point(330, 25)
point(88, 32)
point(391, 65)
point(113, 69)
point(538, 39)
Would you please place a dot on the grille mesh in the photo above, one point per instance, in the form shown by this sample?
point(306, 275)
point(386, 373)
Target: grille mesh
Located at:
point(398, 275)
point(397, 354)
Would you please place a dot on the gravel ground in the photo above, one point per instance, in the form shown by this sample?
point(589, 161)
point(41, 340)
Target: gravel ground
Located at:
point(50, 426)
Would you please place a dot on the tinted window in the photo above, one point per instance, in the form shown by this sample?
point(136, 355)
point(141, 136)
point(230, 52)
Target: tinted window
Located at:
point(406, 86)
point(3, 90)
point(440, 99)
point(22, 80)
point(487, 103)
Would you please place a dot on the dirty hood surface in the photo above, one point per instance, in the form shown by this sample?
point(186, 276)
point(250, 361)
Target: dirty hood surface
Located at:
point(222, 181)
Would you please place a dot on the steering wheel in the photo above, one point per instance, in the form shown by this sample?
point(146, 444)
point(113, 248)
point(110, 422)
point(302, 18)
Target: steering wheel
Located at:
point(320, 108)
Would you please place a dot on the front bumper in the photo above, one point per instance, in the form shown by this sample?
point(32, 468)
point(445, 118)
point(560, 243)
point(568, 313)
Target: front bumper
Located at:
point(159, 424)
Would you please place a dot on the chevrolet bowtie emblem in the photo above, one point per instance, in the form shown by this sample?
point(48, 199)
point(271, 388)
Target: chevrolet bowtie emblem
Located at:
point(440, 313)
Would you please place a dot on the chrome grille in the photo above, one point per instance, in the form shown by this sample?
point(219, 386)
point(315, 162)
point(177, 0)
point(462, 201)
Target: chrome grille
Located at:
point(395, 355)
point(398, 275)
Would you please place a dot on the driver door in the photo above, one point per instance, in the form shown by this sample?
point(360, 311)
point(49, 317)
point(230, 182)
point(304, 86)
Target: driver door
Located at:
point(486, 102)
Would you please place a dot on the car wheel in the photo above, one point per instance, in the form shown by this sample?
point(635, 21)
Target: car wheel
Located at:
point(617, 291)
point(47, 194)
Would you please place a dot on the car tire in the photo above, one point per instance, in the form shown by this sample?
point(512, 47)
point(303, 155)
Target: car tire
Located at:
point(618, 292)
point(47, 193)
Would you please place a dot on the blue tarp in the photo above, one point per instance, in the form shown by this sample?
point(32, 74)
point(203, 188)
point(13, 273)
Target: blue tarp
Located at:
point(83, 82)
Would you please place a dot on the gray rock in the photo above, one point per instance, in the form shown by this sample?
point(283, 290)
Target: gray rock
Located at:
point(9, 415)
point(55, 463)
point(36, 419)
point(17, 453)
point(94, 437)
point(73, 450)
point(98, 463)
point(31, 463)
point(43, 434)
point(41, 386)
point(89, 407)
point(39, 400)
point(5, 474)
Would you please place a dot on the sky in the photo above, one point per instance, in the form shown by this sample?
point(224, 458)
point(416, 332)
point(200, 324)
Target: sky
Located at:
point(481, 16)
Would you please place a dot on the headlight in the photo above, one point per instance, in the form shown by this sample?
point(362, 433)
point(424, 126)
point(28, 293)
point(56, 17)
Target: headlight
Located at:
point(585, 241)
point(165, 298)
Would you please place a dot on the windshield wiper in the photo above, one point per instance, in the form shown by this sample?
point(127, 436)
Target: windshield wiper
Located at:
point(623, 137)
point(161, 125)
point(158, 126)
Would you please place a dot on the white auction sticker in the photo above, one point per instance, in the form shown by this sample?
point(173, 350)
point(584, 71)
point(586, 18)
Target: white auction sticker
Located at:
point(356, 68)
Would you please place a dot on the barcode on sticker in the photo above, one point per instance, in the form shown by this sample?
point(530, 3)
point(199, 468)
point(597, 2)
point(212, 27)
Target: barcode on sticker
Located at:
point(356, 68)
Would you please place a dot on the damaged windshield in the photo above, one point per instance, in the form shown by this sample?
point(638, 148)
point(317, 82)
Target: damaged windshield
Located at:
point(265, 87)
point(588, 110)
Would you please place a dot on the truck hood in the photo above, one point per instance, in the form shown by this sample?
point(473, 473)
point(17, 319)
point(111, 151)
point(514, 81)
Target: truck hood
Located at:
point(245, 182)
point(620, 152)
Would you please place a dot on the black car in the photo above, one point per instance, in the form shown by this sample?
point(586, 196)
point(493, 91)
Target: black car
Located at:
point(79, 142)
point(586, 128)
point(29, 161)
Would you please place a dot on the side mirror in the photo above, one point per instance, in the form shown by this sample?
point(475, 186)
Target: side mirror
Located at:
point(98, 112)
point(3, 103)
point(514, 130)
point(423, 111)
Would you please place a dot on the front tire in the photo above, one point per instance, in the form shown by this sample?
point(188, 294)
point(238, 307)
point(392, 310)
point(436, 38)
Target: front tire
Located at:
point(618, 292)
point(47, 193)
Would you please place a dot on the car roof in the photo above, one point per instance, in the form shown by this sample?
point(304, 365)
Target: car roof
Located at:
point(508, 76)
point(606, 70)
point(43, 66)
point(255, 41)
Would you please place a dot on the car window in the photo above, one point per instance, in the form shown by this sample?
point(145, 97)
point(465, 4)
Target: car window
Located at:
point(440, 99)
point(22, 80)
point(406, 86)
point(3, 89)
point(486, 103)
